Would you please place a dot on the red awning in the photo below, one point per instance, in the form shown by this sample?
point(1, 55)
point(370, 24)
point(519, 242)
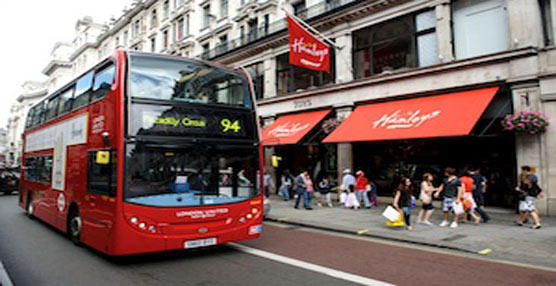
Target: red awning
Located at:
point(289, 129)
point(452, 114)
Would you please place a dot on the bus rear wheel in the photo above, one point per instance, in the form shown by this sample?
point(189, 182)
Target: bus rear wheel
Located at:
point(74, 227)
point(30, 207)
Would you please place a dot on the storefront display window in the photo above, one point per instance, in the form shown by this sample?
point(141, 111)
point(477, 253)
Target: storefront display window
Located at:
point(404, 42)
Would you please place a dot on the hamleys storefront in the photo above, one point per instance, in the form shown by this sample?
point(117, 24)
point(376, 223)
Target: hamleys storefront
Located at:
point(404, 137)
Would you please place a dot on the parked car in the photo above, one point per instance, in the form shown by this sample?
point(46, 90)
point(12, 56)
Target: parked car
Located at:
point(9, 181)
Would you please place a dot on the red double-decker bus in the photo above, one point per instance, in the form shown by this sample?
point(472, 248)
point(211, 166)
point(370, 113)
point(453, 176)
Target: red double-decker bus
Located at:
point(146, 153)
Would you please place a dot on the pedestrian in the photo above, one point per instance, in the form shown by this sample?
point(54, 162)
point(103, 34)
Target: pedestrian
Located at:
point(267, 184)
point(348, 183)
point(529, 191)
point(286, 183)
point(324, 189)
point(452, 191)
point(402, 200)
point(467, 198)
point(479, 193)
point(373, 199)
point(300, 189)
point(308, 192)
point(362, 189)
point(427, 190)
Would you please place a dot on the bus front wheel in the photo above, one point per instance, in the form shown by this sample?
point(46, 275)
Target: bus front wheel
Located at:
point(74, 226)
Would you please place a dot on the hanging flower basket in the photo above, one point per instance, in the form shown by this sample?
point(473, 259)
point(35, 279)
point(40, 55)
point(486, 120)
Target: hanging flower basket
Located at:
point(330, 124)
point(528, 122)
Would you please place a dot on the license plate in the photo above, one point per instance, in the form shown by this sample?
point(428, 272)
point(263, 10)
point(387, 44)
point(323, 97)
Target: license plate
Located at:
point(200, 242)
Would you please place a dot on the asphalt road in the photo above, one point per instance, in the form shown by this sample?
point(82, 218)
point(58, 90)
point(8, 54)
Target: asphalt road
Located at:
point(36, 254)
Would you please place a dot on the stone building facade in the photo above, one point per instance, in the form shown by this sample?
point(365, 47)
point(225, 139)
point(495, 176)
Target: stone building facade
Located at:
point(388, 51)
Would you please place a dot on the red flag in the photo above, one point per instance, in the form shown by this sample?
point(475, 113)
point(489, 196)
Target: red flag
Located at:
point(306, 50)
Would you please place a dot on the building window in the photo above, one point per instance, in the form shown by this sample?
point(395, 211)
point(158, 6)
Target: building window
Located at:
point(166, 9)
point(223, 8)
point(290, 78)
point(165, 39)
point(136, 28)
point(180, 29)
point(480, 27)
point(242, 35)
point(126, 36)
point(427, 46)
point(153, 44)
point(223, 44)
point(187, 25)
point(206, 48)
point(332, 4)
point(547, 21)
point(206, 16)
point(256, 71)
point(178, 3)
point(253, 25)
point(266, 23)
point(405, 42)
point(153, 19)
point(300, 9)
point(117, 42)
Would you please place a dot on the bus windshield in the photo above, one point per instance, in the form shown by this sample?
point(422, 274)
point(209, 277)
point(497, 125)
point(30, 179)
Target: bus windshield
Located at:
point(191, 175)
point(173, 78)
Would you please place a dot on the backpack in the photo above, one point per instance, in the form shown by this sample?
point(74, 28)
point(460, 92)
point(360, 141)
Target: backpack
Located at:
point(536, 189)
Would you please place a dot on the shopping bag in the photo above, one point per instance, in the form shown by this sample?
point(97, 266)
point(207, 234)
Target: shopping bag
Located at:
point(398, 222)
point(390, 213)
point(458, 208)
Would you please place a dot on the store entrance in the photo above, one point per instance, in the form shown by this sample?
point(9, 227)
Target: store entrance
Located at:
point(385, 162)
point(317, 159)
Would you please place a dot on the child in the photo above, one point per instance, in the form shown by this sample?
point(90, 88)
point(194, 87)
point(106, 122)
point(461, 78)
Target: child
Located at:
point(324, 189)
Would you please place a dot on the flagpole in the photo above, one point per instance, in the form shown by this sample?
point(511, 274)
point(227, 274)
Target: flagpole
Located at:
point(307, 26)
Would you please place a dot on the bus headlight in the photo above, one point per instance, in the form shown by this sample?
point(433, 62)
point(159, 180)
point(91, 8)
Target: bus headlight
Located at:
point(133, 220)
point(152, 228)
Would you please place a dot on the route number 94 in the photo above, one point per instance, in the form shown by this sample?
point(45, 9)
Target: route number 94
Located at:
point(228, 125)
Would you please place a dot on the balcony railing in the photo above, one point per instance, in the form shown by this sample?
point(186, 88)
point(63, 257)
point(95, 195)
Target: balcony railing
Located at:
point(264, 30)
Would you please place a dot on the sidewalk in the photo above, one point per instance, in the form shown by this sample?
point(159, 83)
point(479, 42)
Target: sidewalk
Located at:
point(500, 235)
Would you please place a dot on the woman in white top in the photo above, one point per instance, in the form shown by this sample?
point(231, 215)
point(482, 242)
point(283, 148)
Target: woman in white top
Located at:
point(427, 189)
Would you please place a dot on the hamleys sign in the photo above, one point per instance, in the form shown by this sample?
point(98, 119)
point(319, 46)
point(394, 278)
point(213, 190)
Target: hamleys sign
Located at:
point(306, 50)
point(404, 119)
point(288, 129)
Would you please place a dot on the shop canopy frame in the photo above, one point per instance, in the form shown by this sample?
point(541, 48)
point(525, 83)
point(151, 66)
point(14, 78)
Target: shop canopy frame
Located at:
point(446, 115)
point(292, 128)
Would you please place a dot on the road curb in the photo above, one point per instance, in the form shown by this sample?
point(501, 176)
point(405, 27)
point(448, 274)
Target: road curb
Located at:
point(368, 234)
point(4, 277)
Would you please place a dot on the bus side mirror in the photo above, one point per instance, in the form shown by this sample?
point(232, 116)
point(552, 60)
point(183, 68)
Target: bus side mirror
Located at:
point(106, 138)
point(103, 157)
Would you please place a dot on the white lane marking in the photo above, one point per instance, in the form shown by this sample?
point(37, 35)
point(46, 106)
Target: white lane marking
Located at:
point(4, 278)
point(309, 266)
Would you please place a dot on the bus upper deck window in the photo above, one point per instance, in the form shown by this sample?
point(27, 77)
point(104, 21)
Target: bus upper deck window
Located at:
point(103, 82)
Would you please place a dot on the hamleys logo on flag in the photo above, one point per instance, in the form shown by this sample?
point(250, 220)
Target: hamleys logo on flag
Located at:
point(409, 119)
point(288, 129)
point(306, 50)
